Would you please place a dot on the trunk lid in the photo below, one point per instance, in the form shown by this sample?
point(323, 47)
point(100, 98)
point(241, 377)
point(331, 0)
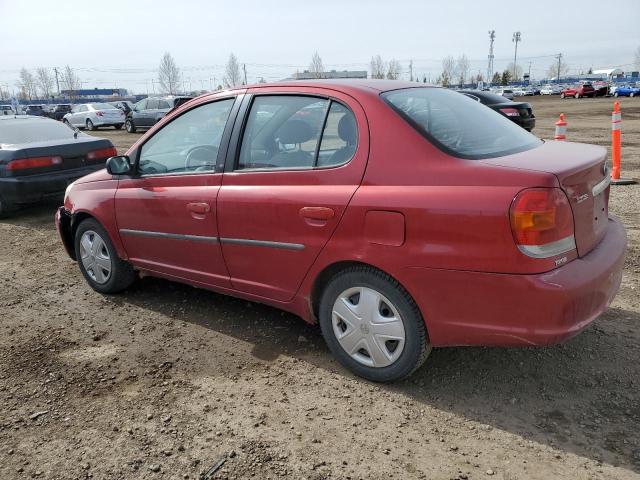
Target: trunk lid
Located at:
point(580, 170)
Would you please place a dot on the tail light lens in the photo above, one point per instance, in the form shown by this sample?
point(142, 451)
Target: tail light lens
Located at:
point(102, 154)
point(99, 114)
point(542, 222)
point(35, 162)
point(510, 112)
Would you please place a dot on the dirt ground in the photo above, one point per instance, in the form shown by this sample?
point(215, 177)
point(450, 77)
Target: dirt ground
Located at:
point(164, 381)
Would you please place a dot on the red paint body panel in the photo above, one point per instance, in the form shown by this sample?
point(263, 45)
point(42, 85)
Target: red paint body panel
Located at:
point(438, 224)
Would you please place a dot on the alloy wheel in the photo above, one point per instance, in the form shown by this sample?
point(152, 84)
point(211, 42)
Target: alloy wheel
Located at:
point(368, 327)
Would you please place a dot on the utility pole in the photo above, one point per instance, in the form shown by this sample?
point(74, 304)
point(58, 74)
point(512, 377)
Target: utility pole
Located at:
point(411, 70)
point(244, 69)
point(529, 74)
point(492, 37)
point(559, 57)
point(516, 38)
point(55, 69)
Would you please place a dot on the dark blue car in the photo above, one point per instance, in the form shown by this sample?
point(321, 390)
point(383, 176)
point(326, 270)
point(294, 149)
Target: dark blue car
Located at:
point(626, 91)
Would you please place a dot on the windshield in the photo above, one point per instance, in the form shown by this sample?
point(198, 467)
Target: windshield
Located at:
point(459, 125)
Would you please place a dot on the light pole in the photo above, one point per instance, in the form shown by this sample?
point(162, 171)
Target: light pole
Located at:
point(516, 38)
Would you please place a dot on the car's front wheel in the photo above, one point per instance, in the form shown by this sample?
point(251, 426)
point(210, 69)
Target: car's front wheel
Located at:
point(89, 124)
point(98, 260)
point(562, 95)
point(131, 128)
point(372, 325)
point(577, 95)
point(632, 94)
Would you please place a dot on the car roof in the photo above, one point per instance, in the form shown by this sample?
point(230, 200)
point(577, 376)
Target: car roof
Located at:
point(345, 84)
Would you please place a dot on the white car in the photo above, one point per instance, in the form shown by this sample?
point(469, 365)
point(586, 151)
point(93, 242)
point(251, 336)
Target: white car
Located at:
point(94, 115)
point(505, 92)
point(550, 90)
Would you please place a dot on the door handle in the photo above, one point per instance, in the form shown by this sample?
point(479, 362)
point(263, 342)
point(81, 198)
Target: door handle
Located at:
point(199, 207)
point(317, 213)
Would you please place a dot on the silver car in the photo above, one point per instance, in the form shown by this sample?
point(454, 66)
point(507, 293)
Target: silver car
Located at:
point(94, 115)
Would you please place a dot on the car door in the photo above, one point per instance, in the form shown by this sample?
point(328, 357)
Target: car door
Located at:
point(166, 211)
point(150, 113)
point(290, 173)
point(138, 112)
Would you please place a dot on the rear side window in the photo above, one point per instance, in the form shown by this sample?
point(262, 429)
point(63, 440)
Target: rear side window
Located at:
point(163, 104)
point(459, 125)
point(152, 104)
point(27, 131)
point(297, 132)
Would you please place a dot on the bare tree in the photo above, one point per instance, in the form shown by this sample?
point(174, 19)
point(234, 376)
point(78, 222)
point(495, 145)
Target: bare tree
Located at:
point(462, 69)
point(516, 72)
point(636, 59)
point(316, 68)
point(378, 67)
point(556, 70)
point(45, 81)
point(27, 84)
point(232, 75)
point(70, 81)
point(448, 71)
point(168, 74)
point(393, 69)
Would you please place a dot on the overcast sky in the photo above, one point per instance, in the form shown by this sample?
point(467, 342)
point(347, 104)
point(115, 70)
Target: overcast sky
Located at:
point(119, 43)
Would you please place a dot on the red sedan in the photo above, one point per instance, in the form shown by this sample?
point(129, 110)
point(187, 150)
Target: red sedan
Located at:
point(398, 217)
point(579, 91)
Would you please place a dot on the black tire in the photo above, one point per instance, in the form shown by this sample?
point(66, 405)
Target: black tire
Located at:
point(90, 126)
point(416, 348)
point(632, 94)
point(118, 126)
point(6, 208)
point(122, 273)
point(129, 125)
point(577, 95)
point(562, 95)
point(616, 94)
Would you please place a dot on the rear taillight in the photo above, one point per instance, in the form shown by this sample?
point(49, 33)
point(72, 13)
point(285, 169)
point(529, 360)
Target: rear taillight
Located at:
point(35, 162)
point(101, 154)
point(99, 114)
point(510, 112)
point(542, 222)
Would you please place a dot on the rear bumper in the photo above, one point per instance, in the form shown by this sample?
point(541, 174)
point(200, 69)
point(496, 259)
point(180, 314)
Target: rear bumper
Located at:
point(33, 188)
point(473, 308)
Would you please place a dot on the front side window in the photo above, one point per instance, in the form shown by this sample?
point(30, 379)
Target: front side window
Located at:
point(141, 105)
point(294, 132)
point(458, 124)
point(188, 143)
point(152, 104)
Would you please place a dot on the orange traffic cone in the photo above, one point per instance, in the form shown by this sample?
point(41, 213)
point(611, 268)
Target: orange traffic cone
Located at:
point(561, 129)
point(616, 147)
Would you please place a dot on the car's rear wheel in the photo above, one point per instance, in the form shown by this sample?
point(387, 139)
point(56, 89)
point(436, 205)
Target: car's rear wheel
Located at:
point(118, 126)
point(616, 94)
point(562, 95)
point(89, 124)
point(98, 260)
point(632, 94)
point(372, 325)
point(131, 128)
point(577, 95)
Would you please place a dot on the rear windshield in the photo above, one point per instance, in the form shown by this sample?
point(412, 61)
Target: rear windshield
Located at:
point(27, 131)
point(458, 124)
point(102, 106)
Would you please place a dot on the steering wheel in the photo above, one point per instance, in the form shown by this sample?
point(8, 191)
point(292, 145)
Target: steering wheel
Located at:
point(201, 157)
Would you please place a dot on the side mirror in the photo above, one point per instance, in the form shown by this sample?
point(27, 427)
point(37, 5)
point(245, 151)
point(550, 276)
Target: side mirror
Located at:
point(119, 165)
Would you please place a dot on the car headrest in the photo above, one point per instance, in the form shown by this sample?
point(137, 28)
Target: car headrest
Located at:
point(294, 131)
point(347, 129)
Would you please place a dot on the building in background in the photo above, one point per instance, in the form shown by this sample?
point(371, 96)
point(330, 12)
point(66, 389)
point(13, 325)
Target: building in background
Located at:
point(95, 93)
point(307, 75)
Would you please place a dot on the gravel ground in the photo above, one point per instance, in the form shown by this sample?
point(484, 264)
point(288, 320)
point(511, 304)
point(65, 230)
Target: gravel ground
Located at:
point(165, 381)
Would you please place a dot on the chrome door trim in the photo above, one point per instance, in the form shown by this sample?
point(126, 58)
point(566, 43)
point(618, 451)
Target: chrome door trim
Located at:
point(172, 236)
point(262, 243)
